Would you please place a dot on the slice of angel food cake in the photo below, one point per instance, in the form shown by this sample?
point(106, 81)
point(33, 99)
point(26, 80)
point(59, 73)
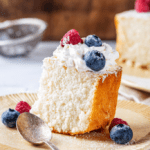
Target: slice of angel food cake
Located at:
point(133, 35)
point(79, 85)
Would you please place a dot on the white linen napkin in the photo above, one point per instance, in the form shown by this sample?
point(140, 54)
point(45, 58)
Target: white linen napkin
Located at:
point(127, 93)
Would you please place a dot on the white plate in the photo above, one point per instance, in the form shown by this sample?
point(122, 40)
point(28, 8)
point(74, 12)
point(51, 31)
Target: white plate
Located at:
point(136, 82)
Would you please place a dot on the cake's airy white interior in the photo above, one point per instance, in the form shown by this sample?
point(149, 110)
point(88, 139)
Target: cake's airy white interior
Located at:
point(65, 97)
point(133, 37)
point(71, 95)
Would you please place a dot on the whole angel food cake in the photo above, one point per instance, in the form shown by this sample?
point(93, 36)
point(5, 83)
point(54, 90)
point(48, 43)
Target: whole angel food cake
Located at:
point(79, 85)
point(133, 35)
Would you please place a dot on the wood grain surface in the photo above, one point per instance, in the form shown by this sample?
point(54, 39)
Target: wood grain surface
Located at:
point(88, 16)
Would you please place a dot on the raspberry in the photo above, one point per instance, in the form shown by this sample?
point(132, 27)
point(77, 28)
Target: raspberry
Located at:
point(23, 107)
point(71, 37)
point(148, 2)
point(116, 121)
point(140, 1)
point(143, 1)
point(142, 5)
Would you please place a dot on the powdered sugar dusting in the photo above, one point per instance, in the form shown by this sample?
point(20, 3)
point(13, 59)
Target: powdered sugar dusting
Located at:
point(94, 140)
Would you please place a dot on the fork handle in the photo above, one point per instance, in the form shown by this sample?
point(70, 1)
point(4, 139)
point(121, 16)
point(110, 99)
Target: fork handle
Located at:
point(51, 145)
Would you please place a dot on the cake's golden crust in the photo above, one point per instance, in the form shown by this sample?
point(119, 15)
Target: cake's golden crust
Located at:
point(104, 103)
point(118, 40)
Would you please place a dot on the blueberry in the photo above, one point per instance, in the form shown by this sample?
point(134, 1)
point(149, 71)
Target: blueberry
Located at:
point(93, 40)
point(9, 117)
point(94, 60)
point(121, 134)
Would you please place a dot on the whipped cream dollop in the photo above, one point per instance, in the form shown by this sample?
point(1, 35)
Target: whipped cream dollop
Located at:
point(72, 56)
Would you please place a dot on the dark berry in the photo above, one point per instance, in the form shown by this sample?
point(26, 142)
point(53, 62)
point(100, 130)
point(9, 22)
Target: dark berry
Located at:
point(94, 60)
point(121, 134)
point(93, 40)
point(9, 117)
